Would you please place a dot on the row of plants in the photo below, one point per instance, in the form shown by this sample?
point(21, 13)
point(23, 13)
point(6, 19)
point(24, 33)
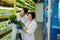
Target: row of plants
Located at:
point(30, 6)
point(4, 12)
point(8, 37)
point(3, 25)
point(22, 4)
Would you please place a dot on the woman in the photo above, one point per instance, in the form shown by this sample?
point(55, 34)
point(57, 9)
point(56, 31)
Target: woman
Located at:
point(30, 27)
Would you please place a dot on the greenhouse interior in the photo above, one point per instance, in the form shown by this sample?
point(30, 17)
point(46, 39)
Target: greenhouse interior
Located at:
point(9, 7)
point(6, 9)
point(40, 7)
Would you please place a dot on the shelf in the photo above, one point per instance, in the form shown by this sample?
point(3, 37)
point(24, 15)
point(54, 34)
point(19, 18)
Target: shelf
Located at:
point(21, 4)
point(5, 30)
point(7, 37)
point(5, 27)
point(55, 27)
point(3, 16)
point(8, 2)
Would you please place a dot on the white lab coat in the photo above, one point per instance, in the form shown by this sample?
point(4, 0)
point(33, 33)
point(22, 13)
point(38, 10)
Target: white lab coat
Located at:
point(30, 30)
point(24, 19)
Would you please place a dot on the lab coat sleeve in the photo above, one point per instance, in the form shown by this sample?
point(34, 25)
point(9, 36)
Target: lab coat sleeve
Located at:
point(26, 19)
point(31, 28)
point(18, 17)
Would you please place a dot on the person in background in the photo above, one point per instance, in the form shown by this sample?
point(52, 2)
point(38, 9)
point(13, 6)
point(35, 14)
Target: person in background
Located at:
point(16, 31)
point(30, 27)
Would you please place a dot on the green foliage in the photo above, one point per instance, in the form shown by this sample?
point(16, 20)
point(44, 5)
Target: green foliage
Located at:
point(20, 23)
point(12, 17)
point(18, 11)
point(3, 25)
point(5, 10)
point(21, 2)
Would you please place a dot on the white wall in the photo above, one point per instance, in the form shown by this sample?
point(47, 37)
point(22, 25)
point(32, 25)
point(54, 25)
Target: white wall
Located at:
point(39, 12)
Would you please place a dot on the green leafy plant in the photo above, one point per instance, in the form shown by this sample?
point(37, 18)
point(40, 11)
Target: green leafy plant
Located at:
point(20, 23)
point(12, 17)
point(18, 11)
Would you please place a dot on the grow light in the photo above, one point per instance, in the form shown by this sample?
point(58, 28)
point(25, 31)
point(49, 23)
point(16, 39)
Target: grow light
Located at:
point(10, 0)
point(59, 3)
point(9, 8)
point(26, 3)
point(18, 4)
point(59, 14)
point(29, 5)
point(18, 8)
point(22, 0)
point(32, 2)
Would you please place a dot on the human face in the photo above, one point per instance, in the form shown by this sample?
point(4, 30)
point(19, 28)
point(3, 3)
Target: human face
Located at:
point(22, 13)
point(30, 17)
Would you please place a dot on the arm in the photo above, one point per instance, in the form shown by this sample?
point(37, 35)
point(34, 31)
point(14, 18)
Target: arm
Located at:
point(24, 30)
point(31, 28)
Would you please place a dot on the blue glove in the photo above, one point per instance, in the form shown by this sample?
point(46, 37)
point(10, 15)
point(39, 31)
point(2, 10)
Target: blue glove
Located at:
point(19, 27)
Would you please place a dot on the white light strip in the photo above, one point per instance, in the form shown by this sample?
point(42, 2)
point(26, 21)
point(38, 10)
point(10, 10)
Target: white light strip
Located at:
point(49, 18)
point(9, 8)
point(59, 4)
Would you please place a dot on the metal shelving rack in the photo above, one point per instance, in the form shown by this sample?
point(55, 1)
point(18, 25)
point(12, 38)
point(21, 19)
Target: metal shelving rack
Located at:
point(55, 29)
point(13, 2)
point(51, 30)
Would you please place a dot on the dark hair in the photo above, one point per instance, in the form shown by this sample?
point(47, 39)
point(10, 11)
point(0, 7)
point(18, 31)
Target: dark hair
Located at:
point(33, 14)
point(25, 10)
